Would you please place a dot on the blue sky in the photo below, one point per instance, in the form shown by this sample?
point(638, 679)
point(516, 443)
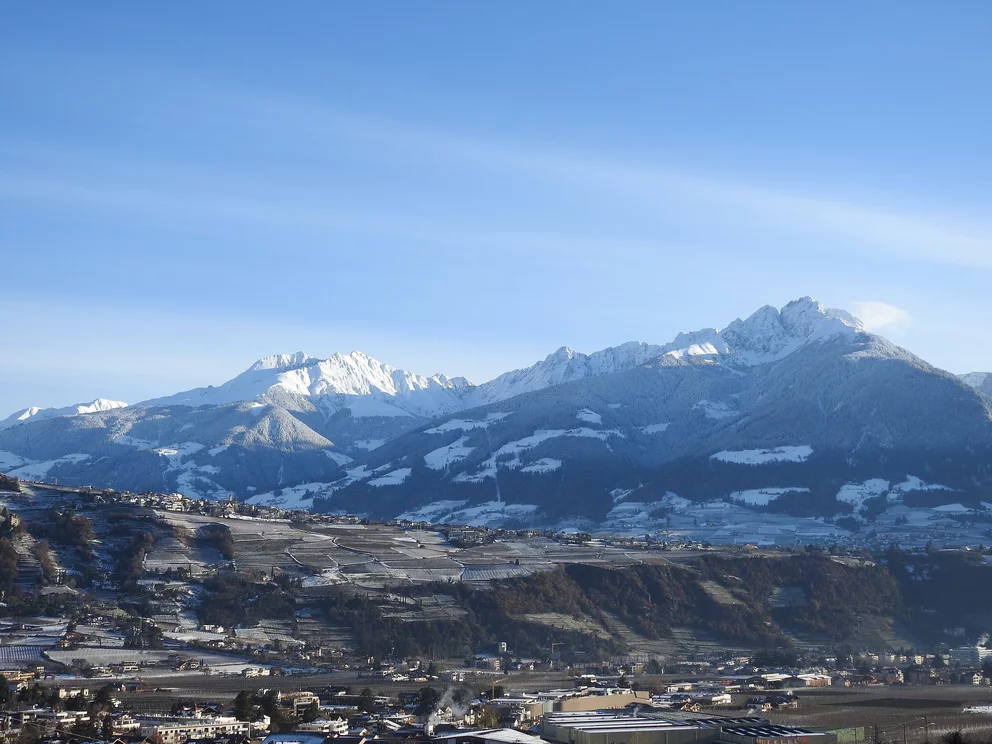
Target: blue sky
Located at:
point(464, 187)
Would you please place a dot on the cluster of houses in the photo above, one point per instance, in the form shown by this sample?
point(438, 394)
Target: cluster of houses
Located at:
point(726, 708)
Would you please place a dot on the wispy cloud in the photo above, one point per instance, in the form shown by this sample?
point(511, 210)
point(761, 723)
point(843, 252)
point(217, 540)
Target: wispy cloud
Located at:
point(899, 234)
point(610, 186)
point(881, 316)
point(307, 212)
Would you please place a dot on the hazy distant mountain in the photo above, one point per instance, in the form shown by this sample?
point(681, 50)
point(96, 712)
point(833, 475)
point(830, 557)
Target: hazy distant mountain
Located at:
point(798, 410)
point(37, 414)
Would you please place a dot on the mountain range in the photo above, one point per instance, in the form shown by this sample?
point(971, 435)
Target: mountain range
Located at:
point(798, 412)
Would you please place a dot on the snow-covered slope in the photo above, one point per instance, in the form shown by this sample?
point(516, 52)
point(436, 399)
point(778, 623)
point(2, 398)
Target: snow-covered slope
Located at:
point(39, 414)
point(565, 365)
point(981, 381)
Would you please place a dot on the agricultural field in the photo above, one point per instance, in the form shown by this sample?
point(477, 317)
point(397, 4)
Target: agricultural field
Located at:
point(901, 713)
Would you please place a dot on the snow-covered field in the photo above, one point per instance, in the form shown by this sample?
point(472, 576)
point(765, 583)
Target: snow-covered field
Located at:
point(715, 410)
point(589, 416)
point(912, 483)
point(763, 496)
point(857, 494)
point(339, 458)
point(619, 494)
point(369, 444)
point(105, 656)
point(465, 424)
point(9, 460)
point(129, 441)
point(294, 497)
point(655, 428)
point(445, 456)
point(544, 465)
point(432, 512)
point(519, 446)
point(392, 478)
point(492, 513)
point(176, 452)
point(508, 456)
point(761, 456)
point(39, 470)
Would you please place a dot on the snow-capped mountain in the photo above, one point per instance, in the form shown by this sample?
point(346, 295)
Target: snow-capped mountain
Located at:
point(981, 381)
point(34, 413)
point(766, 336)
point(356, 381)
point(840, 408)
point(793, 408)
point(369, 388)
point(565, 365)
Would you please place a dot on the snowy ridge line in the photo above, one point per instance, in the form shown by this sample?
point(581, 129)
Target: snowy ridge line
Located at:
point(370, 388)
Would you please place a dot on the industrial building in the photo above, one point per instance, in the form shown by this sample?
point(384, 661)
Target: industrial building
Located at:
point(652, 728)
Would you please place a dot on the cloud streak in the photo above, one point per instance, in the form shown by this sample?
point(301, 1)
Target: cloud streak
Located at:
point(608, 184)
point(898, 234)
point(881, 316)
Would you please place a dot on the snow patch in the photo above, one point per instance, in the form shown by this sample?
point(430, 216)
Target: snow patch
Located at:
point(714, 409)
point(633, 511)
point(392, 478)
point(338, 458)
point(178, 451)
point(489, 514)
point(912, 483)
point(369, 444)
point(39, 470)
point(295, 497)
point(214, 451)
point(619, 494)
point(590, 417)
point(129, 441)
point(953, 509)
point(760, 457)
point(515, 448)
point(544, 465)
point(10, 460)
point(431, 512)
point(763, 496)
point(857, 494)
point(675, 502)
point(466, 425)
point(508, 456)
point(443, 457)
point(654, 428)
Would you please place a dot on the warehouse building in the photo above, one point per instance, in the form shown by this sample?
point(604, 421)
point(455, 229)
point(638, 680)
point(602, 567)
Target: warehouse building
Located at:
point(650, 728)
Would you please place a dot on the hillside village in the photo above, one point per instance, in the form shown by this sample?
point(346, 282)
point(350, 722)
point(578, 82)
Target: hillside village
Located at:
point(124, 610)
